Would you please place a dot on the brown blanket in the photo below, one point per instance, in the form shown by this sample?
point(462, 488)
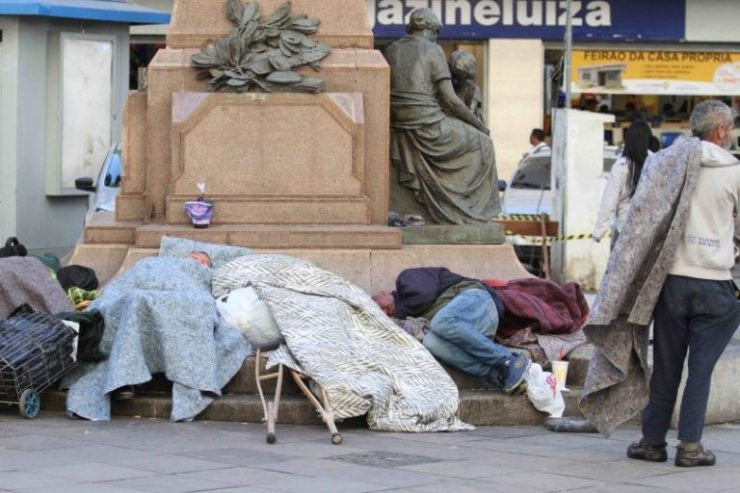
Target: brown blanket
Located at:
point(616, 387)
point(28, 280)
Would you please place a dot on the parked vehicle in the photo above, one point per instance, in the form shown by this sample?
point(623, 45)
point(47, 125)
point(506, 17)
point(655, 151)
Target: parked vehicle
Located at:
point(529, 191)
point(108, 183)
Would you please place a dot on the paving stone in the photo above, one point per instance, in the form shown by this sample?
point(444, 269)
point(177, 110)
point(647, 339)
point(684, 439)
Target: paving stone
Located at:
point(91, 472)
point(384, 459)
point(79, 488)
point(19, 480)
point(352, 472)
point(170, 483)
point(696, 480)
point(239, 456)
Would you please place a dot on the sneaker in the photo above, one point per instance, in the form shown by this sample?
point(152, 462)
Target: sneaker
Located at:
point(691, 454)
point(513, 371)
point(644, 450)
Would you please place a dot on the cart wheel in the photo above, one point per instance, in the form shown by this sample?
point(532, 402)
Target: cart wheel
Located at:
point(30, 403)
point(336, 438)
point(271, 438)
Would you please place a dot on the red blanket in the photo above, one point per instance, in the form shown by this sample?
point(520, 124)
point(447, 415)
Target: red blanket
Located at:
point(544, 306)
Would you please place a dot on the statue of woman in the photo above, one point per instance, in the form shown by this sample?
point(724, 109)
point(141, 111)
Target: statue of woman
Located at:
point(440, 150)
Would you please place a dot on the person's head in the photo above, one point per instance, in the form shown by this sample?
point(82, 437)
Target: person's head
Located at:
point(537, 136)
point(462, 66)
point(630, 107)
point(713, 121)
point(603, 109)
point(636, 145)
point(201, 257)
point(386, 302)
point(590, 104)
point(424, 22)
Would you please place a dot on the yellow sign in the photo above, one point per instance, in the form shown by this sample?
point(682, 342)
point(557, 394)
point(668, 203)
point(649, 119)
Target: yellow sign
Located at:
point(656, 72)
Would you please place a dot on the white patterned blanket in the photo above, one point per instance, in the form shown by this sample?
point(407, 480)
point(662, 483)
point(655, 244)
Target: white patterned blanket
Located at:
point(339, 337)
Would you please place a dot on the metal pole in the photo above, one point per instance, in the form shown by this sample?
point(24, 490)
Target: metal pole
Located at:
point(568, 54)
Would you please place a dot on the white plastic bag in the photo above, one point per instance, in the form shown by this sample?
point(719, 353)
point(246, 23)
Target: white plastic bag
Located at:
point(544, 391)
point(246, 312)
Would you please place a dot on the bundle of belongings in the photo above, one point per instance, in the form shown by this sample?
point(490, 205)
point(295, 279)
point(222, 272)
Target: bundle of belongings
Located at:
point(542, 316)
point(160, 317)
point(334, 333)
point(36, 348)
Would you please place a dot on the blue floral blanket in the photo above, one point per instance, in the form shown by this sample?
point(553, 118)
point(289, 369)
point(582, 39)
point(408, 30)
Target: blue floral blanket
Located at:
point(160, 317)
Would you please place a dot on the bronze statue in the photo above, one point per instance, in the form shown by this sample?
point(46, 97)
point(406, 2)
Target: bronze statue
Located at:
point(262, 55)
point(441, 152)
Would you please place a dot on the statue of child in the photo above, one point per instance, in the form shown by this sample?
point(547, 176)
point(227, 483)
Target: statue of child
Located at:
point(463, 67)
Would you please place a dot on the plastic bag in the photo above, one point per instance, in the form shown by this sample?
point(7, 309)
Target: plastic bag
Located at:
point(544, 391)
point(246, 312)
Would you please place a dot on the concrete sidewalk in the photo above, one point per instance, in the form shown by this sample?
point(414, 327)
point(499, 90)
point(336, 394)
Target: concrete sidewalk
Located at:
point(55, 454)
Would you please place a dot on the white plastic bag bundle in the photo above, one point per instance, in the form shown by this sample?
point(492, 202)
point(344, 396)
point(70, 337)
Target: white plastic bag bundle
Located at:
point(544, 391)
point(246, 312)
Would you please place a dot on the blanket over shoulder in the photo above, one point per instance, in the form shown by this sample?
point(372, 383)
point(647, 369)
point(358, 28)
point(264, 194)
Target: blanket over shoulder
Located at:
point(616, 387)
point(337, 335)
point(160, 317)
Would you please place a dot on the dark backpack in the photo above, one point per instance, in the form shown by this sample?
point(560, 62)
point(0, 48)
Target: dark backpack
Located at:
point(77, 276)
point(13, 248)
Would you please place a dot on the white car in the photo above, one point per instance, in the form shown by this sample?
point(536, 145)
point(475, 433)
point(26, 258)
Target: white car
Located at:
point(108, 185)
point(529, 191)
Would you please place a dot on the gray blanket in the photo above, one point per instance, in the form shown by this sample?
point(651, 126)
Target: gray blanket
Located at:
point(28, 280)
point(160, 317)
point(616, 387)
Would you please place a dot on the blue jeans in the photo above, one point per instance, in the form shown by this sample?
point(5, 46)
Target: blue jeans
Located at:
point(460, 332)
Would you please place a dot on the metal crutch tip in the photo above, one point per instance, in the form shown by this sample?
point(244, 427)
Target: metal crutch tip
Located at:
point(271, 438)
point(336, 438)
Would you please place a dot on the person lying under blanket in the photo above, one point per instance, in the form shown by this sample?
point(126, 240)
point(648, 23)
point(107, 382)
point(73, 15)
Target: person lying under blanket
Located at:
point(334, 333)
point(160, 317)
point(464, 315)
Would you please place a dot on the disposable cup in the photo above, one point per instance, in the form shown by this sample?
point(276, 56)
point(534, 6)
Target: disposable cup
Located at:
point(560, 371)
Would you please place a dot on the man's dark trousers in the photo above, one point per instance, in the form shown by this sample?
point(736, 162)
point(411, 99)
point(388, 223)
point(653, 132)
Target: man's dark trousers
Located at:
point(695, 316)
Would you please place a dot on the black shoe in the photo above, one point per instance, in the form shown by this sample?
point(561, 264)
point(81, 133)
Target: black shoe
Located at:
point(692, 454)
point(643, 450)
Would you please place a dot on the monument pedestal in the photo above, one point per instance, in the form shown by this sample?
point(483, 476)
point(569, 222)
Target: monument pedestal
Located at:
point(300, 174)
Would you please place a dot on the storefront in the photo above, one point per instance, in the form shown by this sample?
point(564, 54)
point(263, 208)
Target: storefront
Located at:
point(658, 86)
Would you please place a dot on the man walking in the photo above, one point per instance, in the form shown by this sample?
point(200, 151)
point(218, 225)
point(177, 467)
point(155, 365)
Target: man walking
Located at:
point(697, 312)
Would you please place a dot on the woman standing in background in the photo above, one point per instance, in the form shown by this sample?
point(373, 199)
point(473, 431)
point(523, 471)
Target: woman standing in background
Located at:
point(622, 183)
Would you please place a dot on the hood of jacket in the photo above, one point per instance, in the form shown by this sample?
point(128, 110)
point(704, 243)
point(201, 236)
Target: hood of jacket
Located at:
point(714, 156)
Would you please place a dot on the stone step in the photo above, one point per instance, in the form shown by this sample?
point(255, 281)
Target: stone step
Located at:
point(244, 382)
point(277, 236)
point(477, 407)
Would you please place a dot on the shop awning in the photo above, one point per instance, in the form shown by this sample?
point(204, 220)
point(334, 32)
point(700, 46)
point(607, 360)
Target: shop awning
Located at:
point(93, 10)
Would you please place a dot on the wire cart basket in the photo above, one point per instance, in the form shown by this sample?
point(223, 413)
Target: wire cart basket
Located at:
point(36, 350)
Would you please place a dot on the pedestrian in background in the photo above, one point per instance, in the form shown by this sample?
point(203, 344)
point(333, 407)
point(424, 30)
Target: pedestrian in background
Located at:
point(622, 182)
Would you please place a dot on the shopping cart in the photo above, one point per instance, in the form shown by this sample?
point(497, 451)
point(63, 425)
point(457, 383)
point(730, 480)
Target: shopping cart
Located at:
point(36, 350)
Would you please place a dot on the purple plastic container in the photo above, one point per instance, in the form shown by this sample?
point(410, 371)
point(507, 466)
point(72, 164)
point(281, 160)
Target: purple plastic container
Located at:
point(199, 212)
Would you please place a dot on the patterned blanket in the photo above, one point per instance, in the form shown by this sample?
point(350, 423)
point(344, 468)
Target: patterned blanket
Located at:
point(160, 318)
point(339, 337)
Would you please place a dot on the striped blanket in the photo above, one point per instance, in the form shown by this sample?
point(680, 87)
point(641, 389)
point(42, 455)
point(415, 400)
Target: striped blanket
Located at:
point(338, 336)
